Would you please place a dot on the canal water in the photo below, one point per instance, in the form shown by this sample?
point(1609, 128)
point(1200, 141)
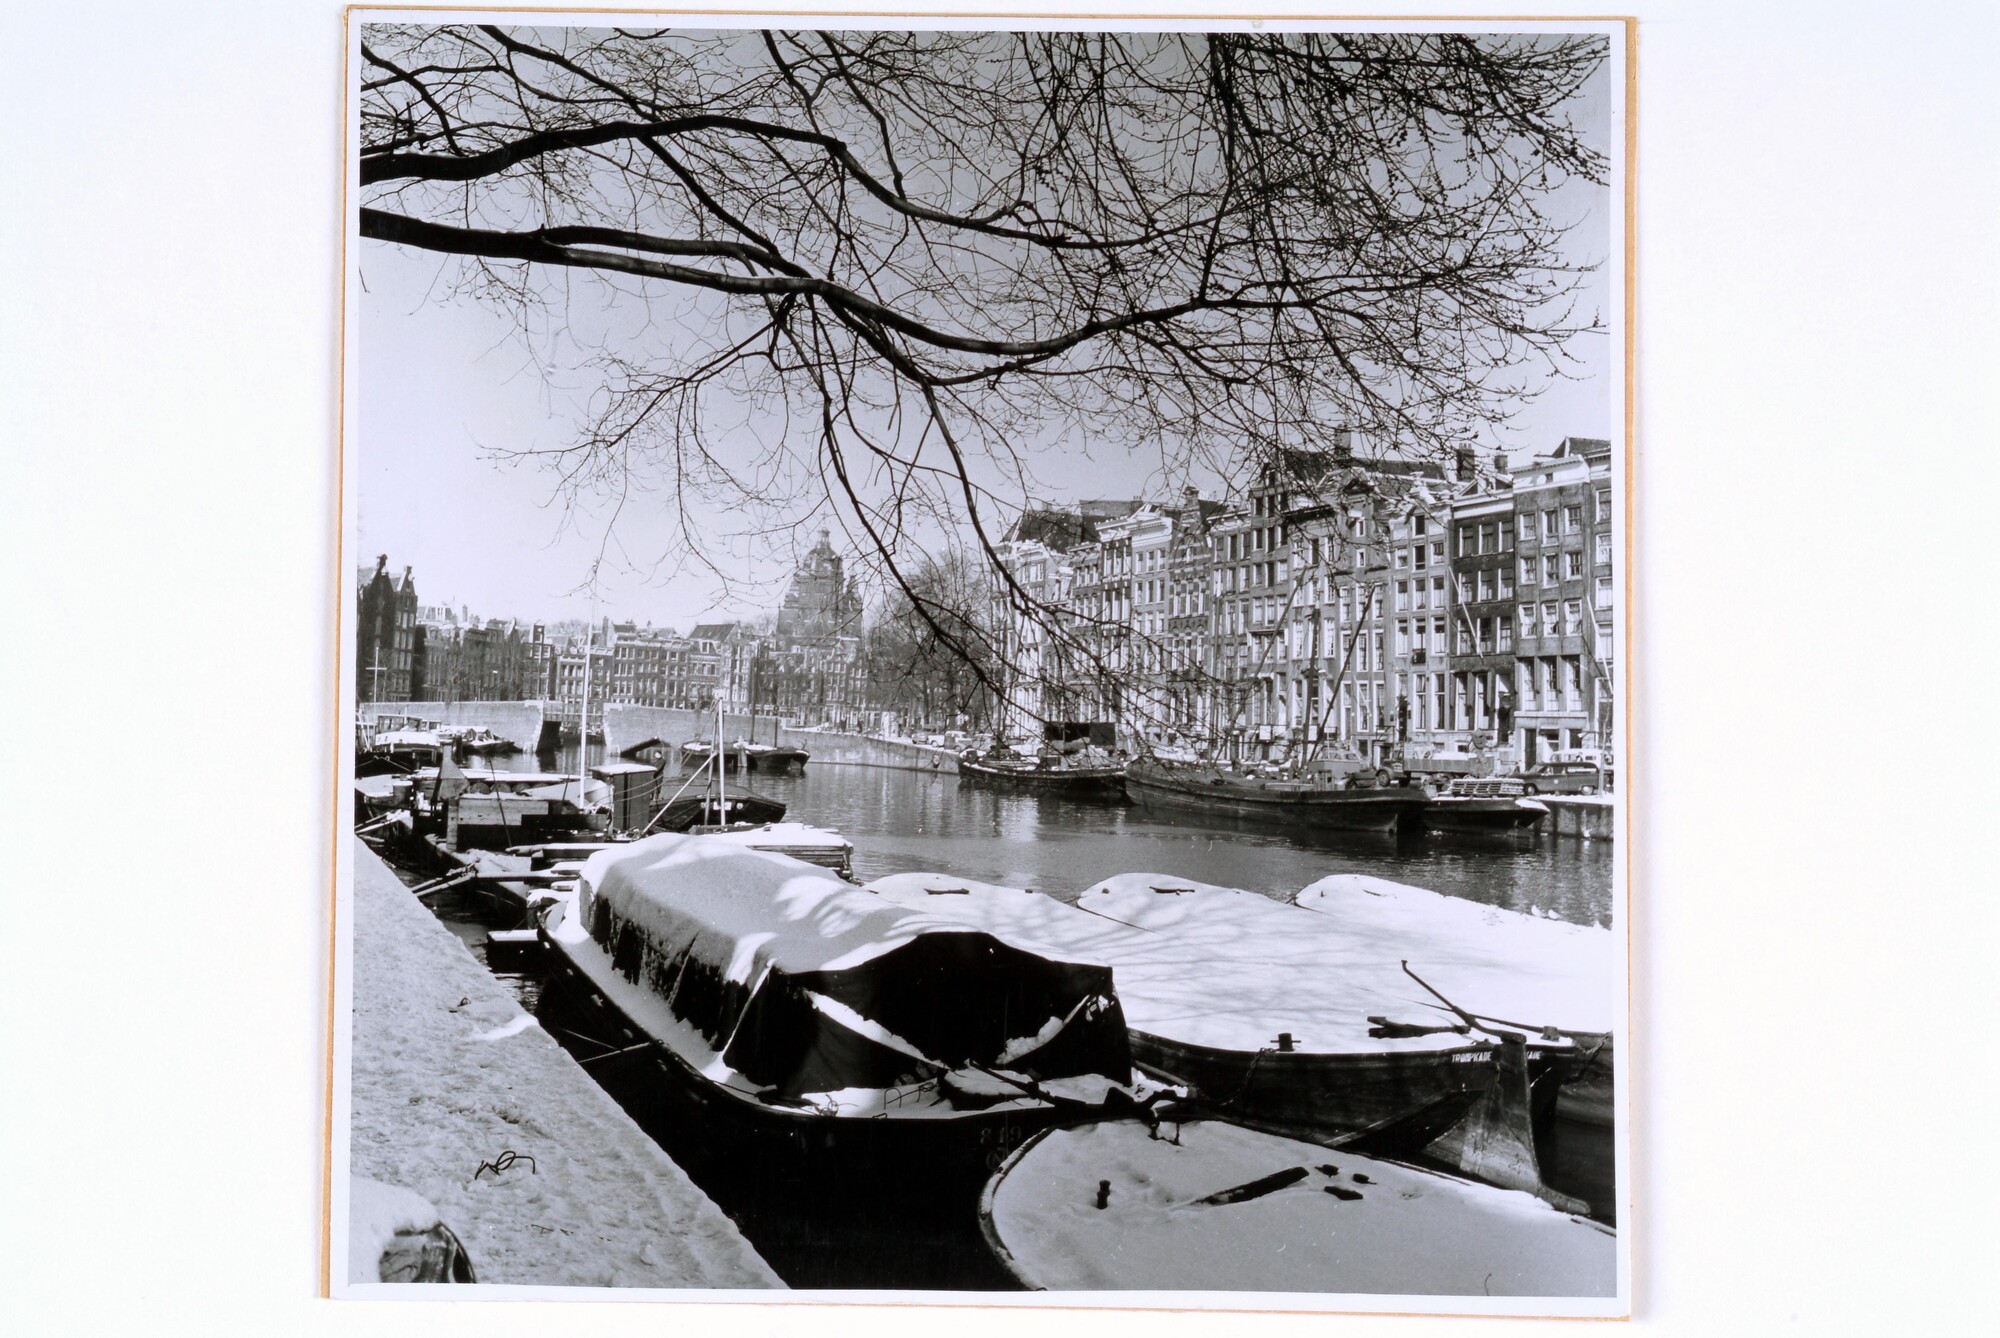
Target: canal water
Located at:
point(902, 821)
point(909, 821)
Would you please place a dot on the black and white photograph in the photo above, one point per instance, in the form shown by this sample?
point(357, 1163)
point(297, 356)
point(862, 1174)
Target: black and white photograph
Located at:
point(984, 661)
point(1119, 669)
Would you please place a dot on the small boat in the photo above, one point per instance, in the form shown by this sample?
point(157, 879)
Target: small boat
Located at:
point(1213, 1206)
point(698, 753)
point(688, 811)
point(1486, 804)
point(479, 741)
point(399, 745)
point(773, 759)
point(1048, 773)
point(1322, 801)
point(792, 1022)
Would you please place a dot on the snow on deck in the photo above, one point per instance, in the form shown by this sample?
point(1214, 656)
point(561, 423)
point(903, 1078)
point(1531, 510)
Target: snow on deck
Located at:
point(448, 1071)
point(1497, 963)
point(1230, 969)
point(1334, 1222)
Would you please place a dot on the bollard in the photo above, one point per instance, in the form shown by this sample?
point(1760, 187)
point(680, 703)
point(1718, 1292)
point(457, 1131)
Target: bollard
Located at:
point(1104, 1194)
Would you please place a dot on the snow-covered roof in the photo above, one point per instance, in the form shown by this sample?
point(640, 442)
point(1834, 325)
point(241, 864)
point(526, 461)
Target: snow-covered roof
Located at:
point(770, 956)
point(1223, 967)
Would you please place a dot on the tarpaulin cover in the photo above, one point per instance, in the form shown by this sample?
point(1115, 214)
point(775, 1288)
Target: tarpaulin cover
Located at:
point(807, 984)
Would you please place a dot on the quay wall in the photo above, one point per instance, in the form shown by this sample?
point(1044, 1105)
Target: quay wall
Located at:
point(518, 722)
point(1586, 817)
point(627, 726)
point(448, 1072)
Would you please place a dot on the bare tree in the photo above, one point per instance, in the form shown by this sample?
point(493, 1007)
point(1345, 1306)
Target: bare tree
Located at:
point(881, 269)
point(933, 653)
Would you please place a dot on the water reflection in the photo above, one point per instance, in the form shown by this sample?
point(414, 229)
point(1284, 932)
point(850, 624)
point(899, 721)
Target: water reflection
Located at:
point(903, 821)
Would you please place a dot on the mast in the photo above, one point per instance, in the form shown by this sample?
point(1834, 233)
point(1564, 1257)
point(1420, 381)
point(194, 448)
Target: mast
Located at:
point(721, 786)
point(583, 716)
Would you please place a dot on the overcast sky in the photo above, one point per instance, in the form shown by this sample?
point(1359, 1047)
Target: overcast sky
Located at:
point(447, 384)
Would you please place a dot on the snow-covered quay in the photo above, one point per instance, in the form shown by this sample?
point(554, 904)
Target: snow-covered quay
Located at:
point(449, 1072)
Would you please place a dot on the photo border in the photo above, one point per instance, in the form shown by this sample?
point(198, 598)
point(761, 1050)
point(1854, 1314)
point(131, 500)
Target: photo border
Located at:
point(1623, 30)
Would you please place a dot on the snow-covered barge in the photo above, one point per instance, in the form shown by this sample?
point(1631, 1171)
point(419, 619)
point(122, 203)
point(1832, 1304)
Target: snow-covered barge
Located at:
point(1305, 1021)
point(811, 1030)
point(1211, 1206)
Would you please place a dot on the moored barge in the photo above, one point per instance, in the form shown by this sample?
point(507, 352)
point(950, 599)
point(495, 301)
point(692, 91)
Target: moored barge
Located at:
point(807, 1029)
point(1036, 776)
point(1307, 801)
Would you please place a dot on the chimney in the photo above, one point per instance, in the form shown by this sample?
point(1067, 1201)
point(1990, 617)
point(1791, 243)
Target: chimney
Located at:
point(1343, 446)
point(381, 563)
point(1466, 465)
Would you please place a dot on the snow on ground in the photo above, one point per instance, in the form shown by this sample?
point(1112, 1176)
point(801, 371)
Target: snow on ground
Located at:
point(450, 1072)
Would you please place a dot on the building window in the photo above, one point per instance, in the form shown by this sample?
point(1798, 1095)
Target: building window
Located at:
point(1550, 572)
point(1604, 506)
point(1603, 550)
point(1437, 592)
point(1549, 524)
point(1549, 619)
point(1489, 539)
point(1527, 571)
point(1573, 566)
point(1506, 634)
point(1422, 554)
point(1572, 616)
point(1572, 519)
point(1506, 583)
point(1485, 584)
point(1437, 554)
point(1437, 635)
point(1524, 527)
point(1466, 541)
point(1604, 592)
point(1417, 524)
point(1402, 559)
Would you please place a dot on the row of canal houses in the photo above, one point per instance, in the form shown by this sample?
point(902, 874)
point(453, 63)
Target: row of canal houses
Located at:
point(1373, 601)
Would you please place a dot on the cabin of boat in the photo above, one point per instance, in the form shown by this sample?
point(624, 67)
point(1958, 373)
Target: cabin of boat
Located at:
point(805, 1023)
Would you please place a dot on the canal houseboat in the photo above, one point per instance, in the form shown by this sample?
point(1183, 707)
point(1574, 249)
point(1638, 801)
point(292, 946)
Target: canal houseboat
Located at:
point(773, 759)
point(808, 1029)
point(1293, 1020)
point(398, 745)
point(1214, 1206)
point(1050, 773)
point(1318, 801)
point(1488, 804)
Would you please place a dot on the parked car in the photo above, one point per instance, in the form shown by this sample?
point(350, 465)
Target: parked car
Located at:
point(1566, 778)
